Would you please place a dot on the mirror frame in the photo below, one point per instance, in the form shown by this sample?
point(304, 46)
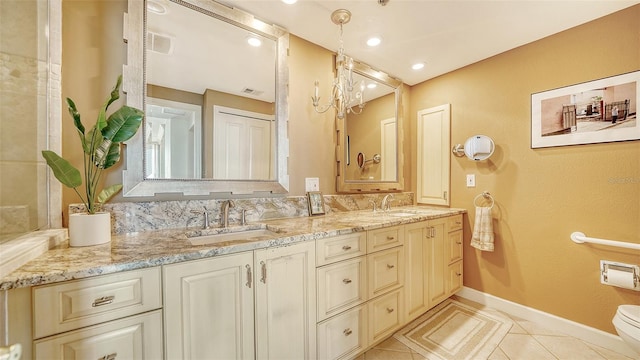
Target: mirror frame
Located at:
point(362, 186)
point(134, 85)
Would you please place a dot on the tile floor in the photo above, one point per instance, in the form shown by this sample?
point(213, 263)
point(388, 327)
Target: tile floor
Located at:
point(525, 341)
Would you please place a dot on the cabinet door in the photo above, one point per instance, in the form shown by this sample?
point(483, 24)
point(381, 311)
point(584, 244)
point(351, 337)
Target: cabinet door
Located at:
point(454, 282)
point(416, 250)
point(208, 308)
point(286, 302)
point(454, 240)
point(385, 271)
point(437, 261)
point(341, 286)
point(343, 335)
point(134, 337)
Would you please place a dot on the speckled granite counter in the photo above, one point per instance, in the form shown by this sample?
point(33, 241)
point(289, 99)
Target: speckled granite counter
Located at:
point(154, 248)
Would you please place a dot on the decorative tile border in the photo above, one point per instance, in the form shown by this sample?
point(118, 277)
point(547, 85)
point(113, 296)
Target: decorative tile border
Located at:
point(129, 217)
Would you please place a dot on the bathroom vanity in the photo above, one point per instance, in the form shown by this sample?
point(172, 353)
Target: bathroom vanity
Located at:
point(327, 287)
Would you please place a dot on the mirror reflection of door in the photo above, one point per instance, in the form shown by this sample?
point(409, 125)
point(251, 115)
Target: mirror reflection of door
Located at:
point(242, 144)
point(374, 132)
point(388, 137)
point(172, 140)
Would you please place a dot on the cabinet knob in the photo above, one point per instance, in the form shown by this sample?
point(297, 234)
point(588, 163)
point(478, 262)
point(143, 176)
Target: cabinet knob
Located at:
point(346, 281)
point(459, 242)
point(390, 266)
point(346, 248)
point(458, 274)
point(347, 332)
point(389, 238)
point(105, 300)
point(390, 310)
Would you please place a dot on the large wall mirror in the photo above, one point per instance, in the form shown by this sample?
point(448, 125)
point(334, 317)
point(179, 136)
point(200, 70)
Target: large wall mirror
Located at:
point(213, 83)
point(370, 142)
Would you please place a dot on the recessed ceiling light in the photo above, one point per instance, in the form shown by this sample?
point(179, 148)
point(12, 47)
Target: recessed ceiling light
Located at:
point(374, 41)
point(289, 2)
point(254, 41)
point(372, 86)
point(156, 7)
point(417, 66)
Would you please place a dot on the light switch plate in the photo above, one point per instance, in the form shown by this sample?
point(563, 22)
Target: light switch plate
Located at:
point(312, 184)
point(471, 180)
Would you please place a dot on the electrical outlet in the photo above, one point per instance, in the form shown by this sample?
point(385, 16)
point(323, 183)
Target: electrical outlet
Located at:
point(471, 180)
point(312, 184)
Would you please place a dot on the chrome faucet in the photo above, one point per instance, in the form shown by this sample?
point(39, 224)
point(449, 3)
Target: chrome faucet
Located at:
point(205, 213)
point(373, 204)
point(225, 212)
point(385, 205)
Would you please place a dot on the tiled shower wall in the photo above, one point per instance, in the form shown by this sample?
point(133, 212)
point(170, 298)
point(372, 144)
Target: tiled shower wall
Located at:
point(23, 117)
point(143, 216)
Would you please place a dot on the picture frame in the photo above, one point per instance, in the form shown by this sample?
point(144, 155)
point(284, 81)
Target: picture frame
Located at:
point(598, 111)
point(316, 203)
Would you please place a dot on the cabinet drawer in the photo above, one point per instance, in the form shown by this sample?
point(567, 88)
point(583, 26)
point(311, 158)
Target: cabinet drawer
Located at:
point(385, 270)
point(385, 315)
point(330, 250)
point(343, 335)
point(455, 280)
point(454, 250)
point(135, 337)
point(384, 238)
point(340, 286)
point(454, 223)
point(74, 304)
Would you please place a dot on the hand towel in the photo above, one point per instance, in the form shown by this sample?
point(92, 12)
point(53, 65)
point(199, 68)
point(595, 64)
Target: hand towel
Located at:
point(482, 237)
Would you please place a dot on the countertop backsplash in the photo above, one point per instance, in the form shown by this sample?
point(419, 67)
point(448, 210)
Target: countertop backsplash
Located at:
point(131, 217)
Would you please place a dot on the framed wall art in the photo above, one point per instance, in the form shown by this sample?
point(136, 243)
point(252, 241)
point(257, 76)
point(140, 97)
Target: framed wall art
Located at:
point(597, 111)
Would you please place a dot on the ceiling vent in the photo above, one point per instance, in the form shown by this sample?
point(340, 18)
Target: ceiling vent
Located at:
point(161, 44)
point(253, 92)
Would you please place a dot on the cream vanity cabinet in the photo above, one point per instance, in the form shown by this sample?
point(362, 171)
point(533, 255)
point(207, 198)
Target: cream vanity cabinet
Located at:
point(360, 301)
point(107, 317)
point(433, 254)
point(253, 305)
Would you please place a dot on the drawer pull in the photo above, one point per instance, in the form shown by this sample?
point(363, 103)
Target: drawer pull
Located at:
point(458, 242)
point(109, 357)
point(390, 266)
point(105, 300)
point(347, 332)
point(346, 248)
point(389, 237)
point(458, 274)
point(346, 281)
point(390, 310)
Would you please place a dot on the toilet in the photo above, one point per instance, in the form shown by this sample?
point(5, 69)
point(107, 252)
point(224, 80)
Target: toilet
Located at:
point(627, 324)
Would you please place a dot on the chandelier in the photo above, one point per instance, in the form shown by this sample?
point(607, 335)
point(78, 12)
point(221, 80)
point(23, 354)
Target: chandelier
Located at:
point(343, 98)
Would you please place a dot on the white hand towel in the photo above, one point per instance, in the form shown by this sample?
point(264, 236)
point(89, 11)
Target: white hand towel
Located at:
point(482, 237)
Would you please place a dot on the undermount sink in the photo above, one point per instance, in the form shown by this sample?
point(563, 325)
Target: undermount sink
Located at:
point(244, 235)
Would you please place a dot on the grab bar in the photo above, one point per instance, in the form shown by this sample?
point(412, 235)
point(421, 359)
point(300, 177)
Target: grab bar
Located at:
point(580, 238)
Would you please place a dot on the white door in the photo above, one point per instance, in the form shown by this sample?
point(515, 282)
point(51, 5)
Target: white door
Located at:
point(434, 156)
point(286, 302)
point(388, 163)
point(209, 308)
point(242, 143)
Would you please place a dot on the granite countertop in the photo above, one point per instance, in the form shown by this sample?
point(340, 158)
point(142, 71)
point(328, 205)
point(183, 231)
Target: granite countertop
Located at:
point(154, 248)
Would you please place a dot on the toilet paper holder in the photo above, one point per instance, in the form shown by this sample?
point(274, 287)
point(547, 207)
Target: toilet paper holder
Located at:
point(622, 275)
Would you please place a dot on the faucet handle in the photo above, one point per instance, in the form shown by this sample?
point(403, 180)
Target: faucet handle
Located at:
point(373, 203)
point(243, 217)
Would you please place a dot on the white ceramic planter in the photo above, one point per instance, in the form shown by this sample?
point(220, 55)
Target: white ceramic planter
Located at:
point(89, 229)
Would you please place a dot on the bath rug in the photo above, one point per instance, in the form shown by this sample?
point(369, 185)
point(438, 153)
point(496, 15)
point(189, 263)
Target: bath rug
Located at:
point(453, 330)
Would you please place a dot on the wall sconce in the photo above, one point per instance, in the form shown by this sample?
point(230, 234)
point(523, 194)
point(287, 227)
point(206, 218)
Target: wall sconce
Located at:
point(477, 148)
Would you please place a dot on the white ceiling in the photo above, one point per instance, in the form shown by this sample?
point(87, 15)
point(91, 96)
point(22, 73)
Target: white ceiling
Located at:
point(446, 35)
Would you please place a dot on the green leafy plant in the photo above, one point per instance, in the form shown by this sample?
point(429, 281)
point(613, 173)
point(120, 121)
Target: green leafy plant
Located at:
point(101, 147)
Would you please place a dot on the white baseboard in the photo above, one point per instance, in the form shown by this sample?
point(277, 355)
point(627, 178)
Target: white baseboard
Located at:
point(577, 330)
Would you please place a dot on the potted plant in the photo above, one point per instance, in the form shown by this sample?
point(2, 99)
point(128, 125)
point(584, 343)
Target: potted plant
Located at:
point(101, 147)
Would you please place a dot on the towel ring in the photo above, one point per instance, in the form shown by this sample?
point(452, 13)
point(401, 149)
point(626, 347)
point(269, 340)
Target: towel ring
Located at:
point(485, 195)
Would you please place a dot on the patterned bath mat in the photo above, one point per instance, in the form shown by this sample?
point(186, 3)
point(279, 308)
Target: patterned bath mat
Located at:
point(453, 330)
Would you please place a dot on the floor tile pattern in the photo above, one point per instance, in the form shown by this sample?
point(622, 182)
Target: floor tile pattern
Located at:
point(525, 341)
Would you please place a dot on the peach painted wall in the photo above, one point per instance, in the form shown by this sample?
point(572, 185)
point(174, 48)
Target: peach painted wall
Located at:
point(543, 195)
